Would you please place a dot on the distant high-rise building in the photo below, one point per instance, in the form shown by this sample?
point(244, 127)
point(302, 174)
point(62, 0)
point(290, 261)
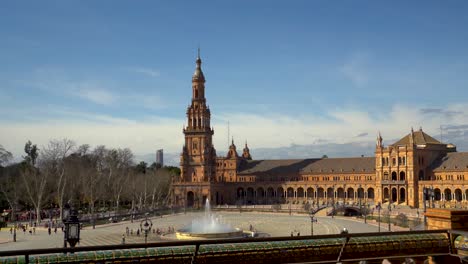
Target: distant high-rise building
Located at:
point(159, 158)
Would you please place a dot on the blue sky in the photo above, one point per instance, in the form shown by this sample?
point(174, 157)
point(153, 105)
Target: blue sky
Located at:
point(282, 72)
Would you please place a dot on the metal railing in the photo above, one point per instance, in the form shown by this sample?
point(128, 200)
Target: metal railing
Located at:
point(197, 243)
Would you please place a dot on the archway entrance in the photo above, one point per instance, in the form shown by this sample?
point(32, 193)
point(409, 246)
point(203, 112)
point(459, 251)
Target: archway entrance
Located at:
point(394, 194)
point(386, 194)
point(190, 199)
point(402, 195)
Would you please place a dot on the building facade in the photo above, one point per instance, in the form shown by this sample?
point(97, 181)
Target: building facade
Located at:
point(160, 157)
point(398, 173)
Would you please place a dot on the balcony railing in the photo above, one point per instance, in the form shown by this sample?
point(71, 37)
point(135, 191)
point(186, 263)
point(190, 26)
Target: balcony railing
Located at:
point(393, 182)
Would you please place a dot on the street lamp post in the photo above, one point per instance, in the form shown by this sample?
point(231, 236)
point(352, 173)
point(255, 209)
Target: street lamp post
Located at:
point(378, 209)
point(65, 216)
point(427, 192)
point(145, 226)
point(333, 201)
point(366, 210)
point(360, 204)
point(389, 216)
point(312, 219)
point(72, 227)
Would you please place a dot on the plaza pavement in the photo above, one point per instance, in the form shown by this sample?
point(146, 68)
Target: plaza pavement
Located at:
point(273, 224)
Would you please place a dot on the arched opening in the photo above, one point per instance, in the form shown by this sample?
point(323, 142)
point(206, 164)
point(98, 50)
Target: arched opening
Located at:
point(370, 193)
point(260, 196)
point(240, 193)
point(250, 195)
point(350, 193)
point(260, 193)
point(196, 93)
point(300, 193)
point(190, 199)
point(310, 193)
point(330, 194)
point(340, 193)
point(290, 192)
point(386, 194)
point(458, 195)
point(360, 193)
point(394, 176)
point(421, 175)
point(402, 195)
point(320, 193)
point(385, 176)
point(394, 194)
point(270, 192)
point(402, 175)
point(448, 195)
point(280, 192)
point(437, 196)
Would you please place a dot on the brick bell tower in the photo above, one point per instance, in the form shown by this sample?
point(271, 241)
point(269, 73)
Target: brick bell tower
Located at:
point(198, 158)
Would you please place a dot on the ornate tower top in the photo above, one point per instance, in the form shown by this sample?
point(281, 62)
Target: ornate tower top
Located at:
point(198, 74)
point(246, 152)
point(379, 140)
point(232, 151)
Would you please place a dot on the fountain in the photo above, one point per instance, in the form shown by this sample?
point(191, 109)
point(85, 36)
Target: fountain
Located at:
point(208, 227)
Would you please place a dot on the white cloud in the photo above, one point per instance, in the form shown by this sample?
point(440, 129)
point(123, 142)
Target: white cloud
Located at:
point(96, 95)
point(261, 130)
point(356, 69)
point(146, 71)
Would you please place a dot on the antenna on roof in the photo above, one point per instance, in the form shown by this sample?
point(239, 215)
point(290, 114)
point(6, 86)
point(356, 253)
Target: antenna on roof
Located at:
point(441, 134)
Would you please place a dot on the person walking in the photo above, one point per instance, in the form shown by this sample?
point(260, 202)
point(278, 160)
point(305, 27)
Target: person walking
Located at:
point(49, 230)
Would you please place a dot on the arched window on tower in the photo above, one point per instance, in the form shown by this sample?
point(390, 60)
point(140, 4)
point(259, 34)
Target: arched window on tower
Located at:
point(196, 93)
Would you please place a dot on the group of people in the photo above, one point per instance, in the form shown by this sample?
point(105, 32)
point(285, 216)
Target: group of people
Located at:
point(158, 231)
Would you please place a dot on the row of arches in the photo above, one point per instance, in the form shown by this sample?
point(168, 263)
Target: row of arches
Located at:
point(449, 195)
point(395, 176)
point(397, 195)
point(304, 193)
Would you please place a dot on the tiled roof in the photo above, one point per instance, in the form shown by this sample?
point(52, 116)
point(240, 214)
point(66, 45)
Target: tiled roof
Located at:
point(297, 166)
point(420, 138)
point(346, 165)
point(453, 161)
point(274, 167)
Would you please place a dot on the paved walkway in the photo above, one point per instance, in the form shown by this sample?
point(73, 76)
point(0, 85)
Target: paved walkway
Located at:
point(274, 224)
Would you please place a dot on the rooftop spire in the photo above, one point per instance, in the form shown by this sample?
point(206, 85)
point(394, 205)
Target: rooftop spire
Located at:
point(198, 74)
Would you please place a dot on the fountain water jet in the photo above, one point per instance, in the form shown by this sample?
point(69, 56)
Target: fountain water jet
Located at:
point(208, 227)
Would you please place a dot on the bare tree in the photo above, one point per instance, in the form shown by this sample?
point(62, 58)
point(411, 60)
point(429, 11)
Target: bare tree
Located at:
point(53, 158)
point(160, 182)
point(5, 156)
point(10, 187)
point(35, 183)
point(122, 172)
point(83, 168)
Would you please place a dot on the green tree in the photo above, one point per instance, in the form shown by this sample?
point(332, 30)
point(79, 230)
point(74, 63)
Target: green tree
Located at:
point(31, 153)
point(173, 170)
point(141, 167)
point(325, 157)
point(402, 220)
